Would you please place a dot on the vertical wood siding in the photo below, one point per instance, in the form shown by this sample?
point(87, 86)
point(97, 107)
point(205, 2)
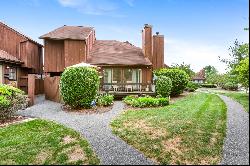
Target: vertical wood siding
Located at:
point(158, 52)
point(20, 47)
point(54, 56)
point(74, 52)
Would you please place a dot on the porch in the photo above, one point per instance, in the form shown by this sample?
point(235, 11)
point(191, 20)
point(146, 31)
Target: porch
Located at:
point(125, 89)
point(123, 81)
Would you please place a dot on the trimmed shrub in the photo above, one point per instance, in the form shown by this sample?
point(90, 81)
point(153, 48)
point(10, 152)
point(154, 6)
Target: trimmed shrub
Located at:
point(11, 100)
point(178, 77)
point(79, 86)
point(230, 86)
point(192, 86)
point(104, 99)
point(163, 86)
point(147, 101)
point(208, 85)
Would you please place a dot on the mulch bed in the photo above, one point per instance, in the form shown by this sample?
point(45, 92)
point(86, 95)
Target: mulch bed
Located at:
point(94, 110)
point(12, 120)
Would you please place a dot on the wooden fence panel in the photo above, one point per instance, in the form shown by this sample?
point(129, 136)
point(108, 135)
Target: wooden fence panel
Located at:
point(39, 86)
point(31, 88)
point(51, 88)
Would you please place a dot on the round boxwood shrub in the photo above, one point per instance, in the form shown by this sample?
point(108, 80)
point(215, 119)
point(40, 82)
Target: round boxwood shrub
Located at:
point(79, 86)
point(163, 86)
point(178, 77)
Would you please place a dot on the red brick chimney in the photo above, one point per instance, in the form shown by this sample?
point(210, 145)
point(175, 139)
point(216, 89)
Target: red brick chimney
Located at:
point(147, 41)
point(158, 51)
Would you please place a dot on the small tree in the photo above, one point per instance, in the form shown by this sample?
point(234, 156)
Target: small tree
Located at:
point(178, 77)
point(163, 86)
point(184, 67)
point(243, 73)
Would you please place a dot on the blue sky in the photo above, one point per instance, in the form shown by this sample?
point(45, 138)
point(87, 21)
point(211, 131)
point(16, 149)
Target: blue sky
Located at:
point(196, 31)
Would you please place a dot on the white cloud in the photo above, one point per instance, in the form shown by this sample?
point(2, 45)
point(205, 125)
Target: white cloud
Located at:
point(130, 2)
point(96, 7)
point(197, 54)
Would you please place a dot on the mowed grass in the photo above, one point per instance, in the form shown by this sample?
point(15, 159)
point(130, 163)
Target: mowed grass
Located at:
point(191, 131)
point(42, 142)
point(242, 98)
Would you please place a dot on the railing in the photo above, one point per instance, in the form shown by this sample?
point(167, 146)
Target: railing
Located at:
point(127, 87)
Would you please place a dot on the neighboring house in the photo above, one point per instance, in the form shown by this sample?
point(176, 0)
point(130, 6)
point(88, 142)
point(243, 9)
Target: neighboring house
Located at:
point(19, 56)
point(123, 66)
point(199, 77)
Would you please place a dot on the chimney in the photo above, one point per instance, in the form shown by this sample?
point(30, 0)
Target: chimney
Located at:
point(158, 51)
point(147, 41)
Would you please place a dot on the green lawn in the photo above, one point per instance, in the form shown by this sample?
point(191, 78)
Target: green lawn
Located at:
point(43, 142)
point(190, 131)
point(240, 97)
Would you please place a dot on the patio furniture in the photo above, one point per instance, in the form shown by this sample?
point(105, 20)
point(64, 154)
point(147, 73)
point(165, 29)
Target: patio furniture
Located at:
point(129, 87)
point(115, 87)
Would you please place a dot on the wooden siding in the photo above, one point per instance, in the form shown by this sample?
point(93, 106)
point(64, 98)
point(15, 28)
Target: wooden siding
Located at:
point(31, 55)
point(146, 75)
point(10, 41)
point(147, 42)
point(1, 74)
point(54, 56)
point(21, 48)
point(74, 52)
point(158, 52)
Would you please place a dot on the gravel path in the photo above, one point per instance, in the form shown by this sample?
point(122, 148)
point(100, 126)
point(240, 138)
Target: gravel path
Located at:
point(236, 143)
point(95, 128)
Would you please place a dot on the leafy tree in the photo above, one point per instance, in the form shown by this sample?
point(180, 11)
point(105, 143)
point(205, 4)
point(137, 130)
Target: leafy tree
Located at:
point(243, 72)
point(237, 53)
point(209, 70)
point(184, 67)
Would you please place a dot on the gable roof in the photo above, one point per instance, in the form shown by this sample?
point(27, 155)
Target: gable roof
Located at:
point(20, 34)
point(69, 32)
point(112, 52)
point(6, 57)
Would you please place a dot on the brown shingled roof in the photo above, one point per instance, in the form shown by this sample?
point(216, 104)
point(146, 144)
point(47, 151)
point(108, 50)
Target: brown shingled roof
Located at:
point(111, 52)
point(200, 75)
point(6, 57)
point(69, 32)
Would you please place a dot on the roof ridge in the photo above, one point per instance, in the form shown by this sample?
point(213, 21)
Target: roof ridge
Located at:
point(19, 33)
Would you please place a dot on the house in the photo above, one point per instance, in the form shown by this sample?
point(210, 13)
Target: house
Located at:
point(19, 56)
point(199, 77)
point(123, 66)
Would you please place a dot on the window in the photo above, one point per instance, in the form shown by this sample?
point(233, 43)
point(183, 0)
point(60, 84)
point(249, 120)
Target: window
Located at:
point(12, 73)
point(128, 74)
point(117, 75)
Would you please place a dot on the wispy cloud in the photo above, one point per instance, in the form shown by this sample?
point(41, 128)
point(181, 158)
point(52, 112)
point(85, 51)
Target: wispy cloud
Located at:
point(96, 7)
point(197, 54)
point(130, 2)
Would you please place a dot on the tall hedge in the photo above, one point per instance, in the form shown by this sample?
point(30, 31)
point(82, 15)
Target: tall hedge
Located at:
point(79, 86)
point(178, 77)
point(163, 86)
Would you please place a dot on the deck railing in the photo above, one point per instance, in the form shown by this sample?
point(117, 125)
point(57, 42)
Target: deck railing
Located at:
point(127, 87)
